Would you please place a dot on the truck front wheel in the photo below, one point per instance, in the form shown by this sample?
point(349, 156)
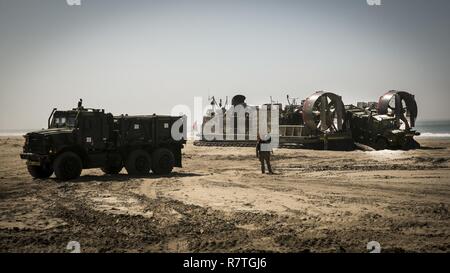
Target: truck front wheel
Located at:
point(41, 172)
point(67, 166)
point(138, 163)
point(163, 161)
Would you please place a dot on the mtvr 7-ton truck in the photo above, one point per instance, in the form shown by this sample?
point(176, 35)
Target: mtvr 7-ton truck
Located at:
point(85, 138)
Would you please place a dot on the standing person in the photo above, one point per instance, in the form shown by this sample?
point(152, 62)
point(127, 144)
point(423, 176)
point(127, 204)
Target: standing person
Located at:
point(403, 118)
point(264, 155)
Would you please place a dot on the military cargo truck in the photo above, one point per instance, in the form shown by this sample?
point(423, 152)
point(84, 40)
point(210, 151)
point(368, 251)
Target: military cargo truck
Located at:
point(387, 124)
point(85, 138)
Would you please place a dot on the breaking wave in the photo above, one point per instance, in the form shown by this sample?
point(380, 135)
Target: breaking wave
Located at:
point(442, 135)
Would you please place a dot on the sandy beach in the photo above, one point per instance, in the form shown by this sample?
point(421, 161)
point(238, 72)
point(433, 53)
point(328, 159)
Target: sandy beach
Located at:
point(318, 201)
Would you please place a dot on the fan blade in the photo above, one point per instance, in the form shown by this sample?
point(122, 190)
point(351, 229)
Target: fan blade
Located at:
point(339, 116)
point(323, 112)
point(398, 105)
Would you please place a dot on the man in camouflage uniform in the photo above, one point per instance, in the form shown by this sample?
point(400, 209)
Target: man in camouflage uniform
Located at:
point(264, 154)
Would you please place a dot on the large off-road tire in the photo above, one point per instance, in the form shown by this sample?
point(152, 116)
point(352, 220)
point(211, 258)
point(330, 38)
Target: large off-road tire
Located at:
point(113, 165)
point(41, 172)
point(67, 166)
point(163, 161)
point(381, 144)
point(138, 163)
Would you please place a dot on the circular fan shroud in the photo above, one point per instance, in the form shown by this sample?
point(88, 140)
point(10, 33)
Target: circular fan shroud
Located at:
point(400, 100)
point(324, 111)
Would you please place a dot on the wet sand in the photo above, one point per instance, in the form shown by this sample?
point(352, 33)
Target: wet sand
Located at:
point(318, 201)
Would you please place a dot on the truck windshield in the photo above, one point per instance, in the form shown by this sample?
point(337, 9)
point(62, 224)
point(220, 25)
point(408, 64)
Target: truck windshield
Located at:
point(63, 120)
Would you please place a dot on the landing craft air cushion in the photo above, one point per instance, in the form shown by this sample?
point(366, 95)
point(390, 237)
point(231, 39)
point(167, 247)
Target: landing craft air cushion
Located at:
point(321, 121)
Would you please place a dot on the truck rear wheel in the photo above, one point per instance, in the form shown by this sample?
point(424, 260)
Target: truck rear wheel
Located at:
point(67, 166)
point(163, 161)
point(42, 172)
point(112, 169)
point(113, 164)
point(138, 163)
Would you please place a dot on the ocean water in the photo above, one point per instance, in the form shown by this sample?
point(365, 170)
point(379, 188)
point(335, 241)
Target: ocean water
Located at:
point(438, 128)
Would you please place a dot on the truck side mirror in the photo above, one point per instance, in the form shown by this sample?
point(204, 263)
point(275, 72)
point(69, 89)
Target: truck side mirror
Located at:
point(50, 117)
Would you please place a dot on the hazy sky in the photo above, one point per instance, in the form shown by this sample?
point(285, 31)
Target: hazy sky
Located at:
point(144, 57)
